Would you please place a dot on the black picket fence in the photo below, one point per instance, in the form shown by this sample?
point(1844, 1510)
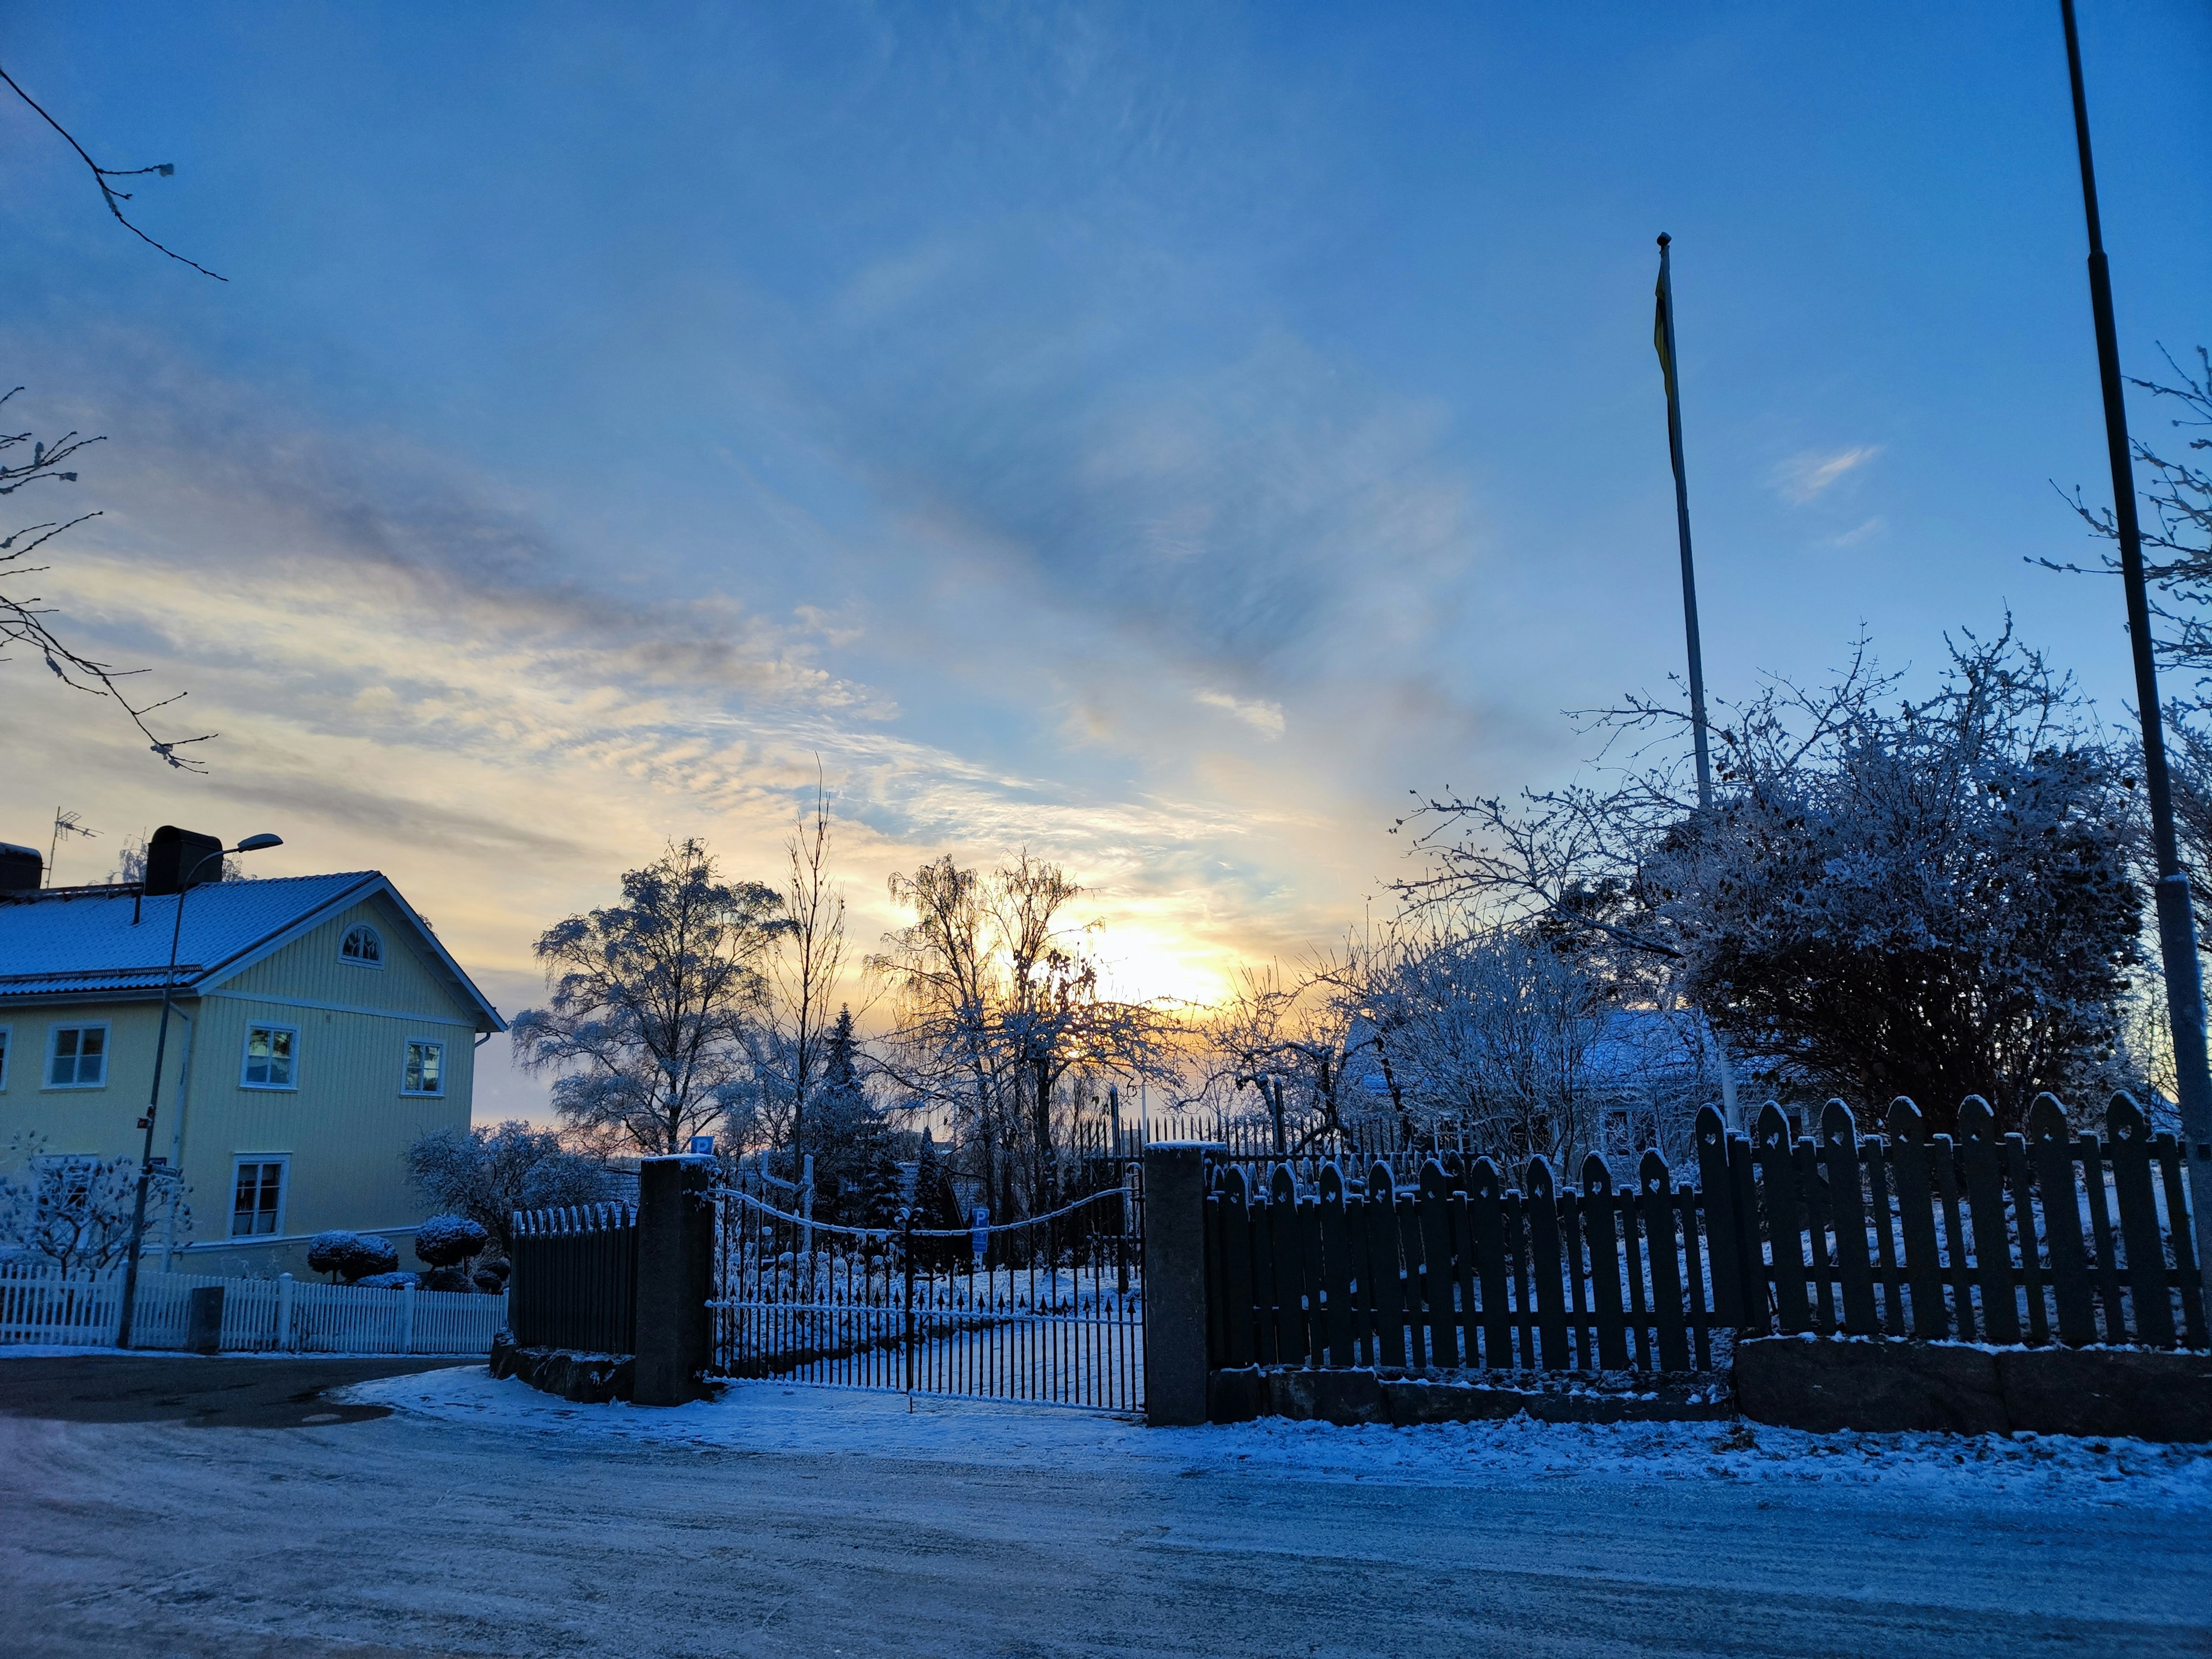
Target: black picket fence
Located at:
point(575, 1283)
point(1976, 1237)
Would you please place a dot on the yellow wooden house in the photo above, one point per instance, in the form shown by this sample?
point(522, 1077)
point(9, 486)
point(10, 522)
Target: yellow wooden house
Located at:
point(317, 1028)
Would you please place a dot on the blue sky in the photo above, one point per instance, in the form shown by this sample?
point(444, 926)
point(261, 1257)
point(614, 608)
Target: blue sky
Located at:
point(1158, 436)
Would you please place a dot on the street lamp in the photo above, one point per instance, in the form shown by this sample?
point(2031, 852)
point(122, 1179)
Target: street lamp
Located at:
point(250, 844)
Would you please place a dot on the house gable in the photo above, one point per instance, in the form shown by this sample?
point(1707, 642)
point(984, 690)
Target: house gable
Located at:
point(306, 971)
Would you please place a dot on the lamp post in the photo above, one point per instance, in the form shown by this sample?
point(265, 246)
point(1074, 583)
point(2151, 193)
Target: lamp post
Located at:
point(250, 844)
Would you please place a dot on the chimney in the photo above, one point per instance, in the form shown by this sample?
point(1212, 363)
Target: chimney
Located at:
point(176, 857)
point(21, 868)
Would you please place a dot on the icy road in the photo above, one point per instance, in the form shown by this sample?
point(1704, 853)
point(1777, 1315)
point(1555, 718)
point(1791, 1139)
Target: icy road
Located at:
point(480, 1518)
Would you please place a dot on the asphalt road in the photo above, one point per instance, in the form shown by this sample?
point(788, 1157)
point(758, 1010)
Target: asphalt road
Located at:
point(230, 1393)
point(398, 1535)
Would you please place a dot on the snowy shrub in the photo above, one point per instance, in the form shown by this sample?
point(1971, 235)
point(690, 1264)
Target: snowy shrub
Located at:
point(447, 1241)
point(352, 1256)
point(387, 1282)
point(487, 1174)
point(76, 1212)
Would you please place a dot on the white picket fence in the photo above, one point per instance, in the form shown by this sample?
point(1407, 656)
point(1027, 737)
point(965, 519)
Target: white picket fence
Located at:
point(38, 1304)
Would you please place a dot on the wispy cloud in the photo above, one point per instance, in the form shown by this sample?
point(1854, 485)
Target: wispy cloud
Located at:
point(1264, 717)
point(1808, 475)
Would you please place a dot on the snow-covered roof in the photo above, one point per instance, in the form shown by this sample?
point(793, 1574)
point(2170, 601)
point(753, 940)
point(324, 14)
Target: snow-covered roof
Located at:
point(74, 941)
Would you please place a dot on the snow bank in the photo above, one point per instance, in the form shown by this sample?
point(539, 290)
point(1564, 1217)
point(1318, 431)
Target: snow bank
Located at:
point(781, 1419)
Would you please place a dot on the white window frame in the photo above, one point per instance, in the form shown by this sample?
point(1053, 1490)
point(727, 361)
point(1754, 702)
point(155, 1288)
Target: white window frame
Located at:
point(437, 1093)
point(54, 1042)
point(362, 962)
point(284, 1160)
point(246, 1058)
point(7, 1052)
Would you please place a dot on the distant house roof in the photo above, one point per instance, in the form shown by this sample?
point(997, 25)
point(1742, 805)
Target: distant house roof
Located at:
point(77, 941)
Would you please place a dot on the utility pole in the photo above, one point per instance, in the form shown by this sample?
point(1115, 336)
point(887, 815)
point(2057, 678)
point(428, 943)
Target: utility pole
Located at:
point(2177, 924)
point(1663, 341)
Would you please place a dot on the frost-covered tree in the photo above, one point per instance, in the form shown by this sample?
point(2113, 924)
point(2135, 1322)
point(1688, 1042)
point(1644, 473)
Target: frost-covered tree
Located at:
point(1931, 898)
point(352, 1256)
point(76, 1212)
point(485, 1173)
point(653, 1003)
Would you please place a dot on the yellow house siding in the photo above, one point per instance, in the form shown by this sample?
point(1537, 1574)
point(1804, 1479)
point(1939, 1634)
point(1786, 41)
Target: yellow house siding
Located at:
point(343, 1128)
point(101, 1121)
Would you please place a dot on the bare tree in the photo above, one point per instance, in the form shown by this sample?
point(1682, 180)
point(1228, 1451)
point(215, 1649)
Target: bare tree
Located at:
point(23, 616)
point(792, 1042)
point(109, 193)
point(653, 999)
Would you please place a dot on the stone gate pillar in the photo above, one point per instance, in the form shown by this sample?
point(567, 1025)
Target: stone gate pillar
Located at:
point(675, 1278)
point(1175, 1283)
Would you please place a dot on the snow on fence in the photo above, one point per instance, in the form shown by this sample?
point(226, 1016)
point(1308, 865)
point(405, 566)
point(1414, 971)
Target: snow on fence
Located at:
point(1976, 1237)
point(39, 1304)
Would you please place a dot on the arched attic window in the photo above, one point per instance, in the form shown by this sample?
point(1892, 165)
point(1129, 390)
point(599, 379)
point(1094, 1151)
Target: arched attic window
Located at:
point(363, 946)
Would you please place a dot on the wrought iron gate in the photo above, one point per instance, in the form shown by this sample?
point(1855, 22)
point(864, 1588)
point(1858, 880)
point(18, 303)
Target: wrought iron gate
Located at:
point(1051, 1309)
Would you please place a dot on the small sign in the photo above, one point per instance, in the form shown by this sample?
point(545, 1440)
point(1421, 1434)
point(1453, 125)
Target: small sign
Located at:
point(981, 1222)
point(703, 1145)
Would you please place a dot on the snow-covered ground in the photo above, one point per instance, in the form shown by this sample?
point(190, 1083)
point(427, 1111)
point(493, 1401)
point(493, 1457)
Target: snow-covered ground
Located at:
point(483, 1518)
point(773, 1417)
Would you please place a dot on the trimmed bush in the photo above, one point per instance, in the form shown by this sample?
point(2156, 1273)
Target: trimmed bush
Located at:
point(447, 1241)
point(386, 1282)
point(352, 1256)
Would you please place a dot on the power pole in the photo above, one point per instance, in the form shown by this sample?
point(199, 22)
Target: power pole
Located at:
point(2177, 924)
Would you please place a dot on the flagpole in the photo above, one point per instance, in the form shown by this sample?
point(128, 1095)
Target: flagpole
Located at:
point(1682, 530)
point(1664, 339)
point(2177, 925)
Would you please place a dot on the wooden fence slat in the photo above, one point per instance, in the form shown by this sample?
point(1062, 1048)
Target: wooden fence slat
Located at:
point(1910, 1156)
point(1337, 1328)
point(1287, 1245)
point(1840, 1152)
point(1757, 1296)
point(1217, 1279)
point(1657, 1204)
point(2051, 1150)
point(2105, 1267)
point(1485, 1194)
point(2166, 1153)
point(1812, 1193)
point(1515, 1210)
point(1711, 1137)
point(1631, 1261)
point(2147, 1275)
point(1359, 1307)
point(2033, 1275)
point(1570, 1232)
point(1436, 1232)
point(1784, 1220)
point(1688, 1201)
point(1889, 1261)
point(1984, 1182)
point(1943, 1165)
point(1605, 1264)
point(1463, 1274)
point(1389, 1297)
point(1546, 1267)
point(1237, 1270)
point(1409, 1211)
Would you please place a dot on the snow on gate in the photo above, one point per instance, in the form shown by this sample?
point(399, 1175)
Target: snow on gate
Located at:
point(1049, 1309)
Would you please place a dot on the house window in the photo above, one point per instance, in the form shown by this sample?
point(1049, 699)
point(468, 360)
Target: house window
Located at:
point(7, 1036)
point(77, 1058)
point(256, 1202)
point(363, 947)
point(269, 1053)
point(426, 1069)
